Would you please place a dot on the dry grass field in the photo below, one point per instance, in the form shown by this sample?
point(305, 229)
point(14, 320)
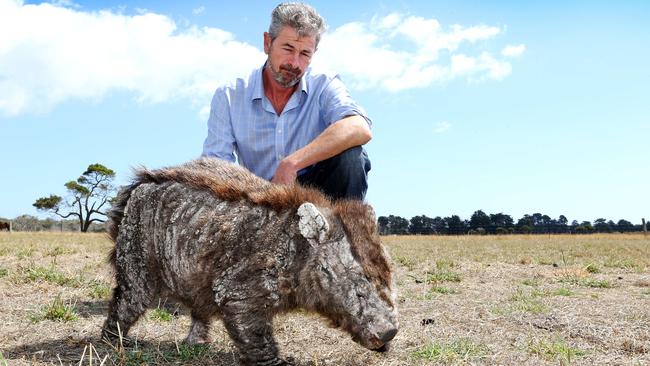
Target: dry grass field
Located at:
point(498, 300)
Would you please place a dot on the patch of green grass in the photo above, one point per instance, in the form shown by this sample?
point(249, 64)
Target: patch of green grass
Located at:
point(445, 264)
point(443, 290)
point(534, 282)
point(623, 264)
point(184, 354)
point(590, 282)
point(554, 350)
point(443, 276)
point(3, 272)
point(459, 350)
point(25, 253)
point(99, 289)
point(52, 275)
point(3, 361)
point(526, 301)
point(55, 311)
point(407, 262)
point(4, 251)
point(586, 282)
point(137, 358)
point(592, 268)
point(58, 250)
point(562, 291)
point(160, 314)
point(646, 292)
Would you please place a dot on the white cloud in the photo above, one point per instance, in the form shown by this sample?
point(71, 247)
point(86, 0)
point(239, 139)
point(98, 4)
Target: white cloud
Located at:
point(513, 51)
point(441, 127)
point(398, 52)
point(199, 10)
point(49, 54)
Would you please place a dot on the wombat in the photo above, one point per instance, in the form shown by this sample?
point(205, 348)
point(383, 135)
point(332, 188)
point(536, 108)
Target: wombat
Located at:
point(228, 244)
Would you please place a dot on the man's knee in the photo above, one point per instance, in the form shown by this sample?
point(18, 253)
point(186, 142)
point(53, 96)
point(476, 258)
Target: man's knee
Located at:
point(353, 161)
point(342, 176)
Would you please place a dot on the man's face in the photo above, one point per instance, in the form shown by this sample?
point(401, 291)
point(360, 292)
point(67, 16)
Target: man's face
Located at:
point(289, 55)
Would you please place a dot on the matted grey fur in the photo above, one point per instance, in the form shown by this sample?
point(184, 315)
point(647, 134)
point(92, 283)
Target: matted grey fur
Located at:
point(227, 243)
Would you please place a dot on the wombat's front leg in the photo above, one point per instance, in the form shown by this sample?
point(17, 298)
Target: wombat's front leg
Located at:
point(250, 327)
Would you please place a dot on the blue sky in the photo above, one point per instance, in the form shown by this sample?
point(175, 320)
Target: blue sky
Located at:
point(501, 106)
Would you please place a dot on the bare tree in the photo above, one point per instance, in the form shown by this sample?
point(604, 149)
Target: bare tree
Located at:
point(88, 196)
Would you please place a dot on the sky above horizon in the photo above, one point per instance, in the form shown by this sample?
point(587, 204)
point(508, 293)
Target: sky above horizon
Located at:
point(499, 106)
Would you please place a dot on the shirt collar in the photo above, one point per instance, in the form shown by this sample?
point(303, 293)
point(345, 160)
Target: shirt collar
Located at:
point(258, 86)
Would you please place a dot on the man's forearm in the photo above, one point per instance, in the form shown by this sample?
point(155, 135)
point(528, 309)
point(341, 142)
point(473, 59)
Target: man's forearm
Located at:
point(338, 137)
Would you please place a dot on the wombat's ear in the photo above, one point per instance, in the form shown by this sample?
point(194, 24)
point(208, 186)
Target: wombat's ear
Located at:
point(312, 224)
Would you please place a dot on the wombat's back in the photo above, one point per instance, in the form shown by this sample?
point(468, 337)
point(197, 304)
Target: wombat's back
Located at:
point(189, 237)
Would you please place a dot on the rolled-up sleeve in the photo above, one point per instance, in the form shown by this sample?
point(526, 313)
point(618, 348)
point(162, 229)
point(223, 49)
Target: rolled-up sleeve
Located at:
point(336, 103)
point(220, 142)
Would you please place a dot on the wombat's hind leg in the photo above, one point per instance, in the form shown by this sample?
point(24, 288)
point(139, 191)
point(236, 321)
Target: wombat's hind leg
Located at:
point(252, 331)
point(200, 329)
point(125, 309)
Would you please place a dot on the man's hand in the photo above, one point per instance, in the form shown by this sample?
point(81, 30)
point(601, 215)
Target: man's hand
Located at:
point(286, 173)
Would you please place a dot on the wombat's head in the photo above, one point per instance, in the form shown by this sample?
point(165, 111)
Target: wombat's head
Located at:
point(348, 277)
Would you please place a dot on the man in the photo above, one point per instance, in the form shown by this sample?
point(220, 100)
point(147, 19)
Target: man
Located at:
point(287, 123)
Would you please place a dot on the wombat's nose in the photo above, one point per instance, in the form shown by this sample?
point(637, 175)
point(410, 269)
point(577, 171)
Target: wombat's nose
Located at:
point(388, 335)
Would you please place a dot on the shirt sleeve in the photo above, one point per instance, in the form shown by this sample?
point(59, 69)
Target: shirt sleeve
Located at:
point(336, 103)
point(220, 142)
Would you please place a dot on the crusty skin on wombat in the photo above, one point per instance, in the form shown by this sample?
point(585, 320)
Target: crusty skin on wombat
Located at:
point(227, 243)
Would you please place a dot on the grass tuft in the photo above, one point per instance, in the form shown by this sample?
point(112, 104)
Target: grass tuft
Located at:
point(443, 290)
point(459, 350)
point(554, 350)
point(585, 282)
point(629, 264)
point(592, 268)
point(25, 253)
point(50, 274)
point(55, 311)
point(407, 262)
point(99, 289)
point(445, 264)
point(562, 291)
point(533, 282)
point(160, 314)
point(443, 276)
point(523, 301)
point(3, 272)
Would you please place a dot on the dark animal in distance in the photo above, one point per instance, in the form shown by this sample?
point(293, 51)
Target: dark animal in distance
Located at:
point(229, 244)
point(4, 226)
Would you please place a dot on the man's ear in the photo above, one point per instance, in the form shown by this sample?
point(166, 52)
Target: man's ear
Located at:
point(267, 43)
point(312, 225)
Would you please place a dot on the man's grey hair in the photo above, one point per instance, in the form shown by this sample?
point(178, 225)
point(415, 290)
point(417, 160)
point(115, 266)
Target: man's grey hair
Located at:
point(301, 17)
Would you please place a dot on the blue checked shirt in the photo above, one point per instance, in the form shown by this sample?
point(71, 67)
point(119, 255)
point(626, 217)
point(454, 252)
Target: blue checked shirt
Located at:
point(243, 125)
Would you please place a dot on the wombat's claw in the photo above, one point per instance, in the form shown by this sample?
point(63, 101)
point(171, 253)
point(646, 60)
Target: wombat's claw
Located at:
point(115, 340)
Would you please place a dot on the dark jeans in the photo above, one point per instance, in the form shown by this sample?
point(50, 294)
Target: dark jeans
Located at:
point(342, 176)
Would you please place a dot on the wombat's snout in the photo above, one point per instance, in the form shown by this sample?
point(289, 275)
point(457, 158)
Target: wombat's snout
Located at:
point(385, 336)
point(388, 335)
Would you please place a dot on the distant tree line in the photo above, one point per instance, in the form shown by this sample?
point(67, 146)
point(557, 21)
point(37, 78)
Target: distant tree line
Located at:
point(32, 223)
point(500, 223)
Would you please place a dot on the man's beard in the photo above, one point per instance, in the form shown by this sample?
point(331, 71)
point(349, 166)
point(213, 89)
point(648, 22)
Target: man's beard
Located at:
point(286, 76)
